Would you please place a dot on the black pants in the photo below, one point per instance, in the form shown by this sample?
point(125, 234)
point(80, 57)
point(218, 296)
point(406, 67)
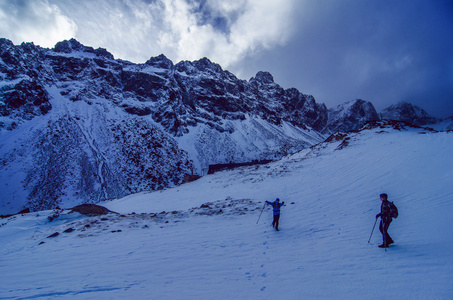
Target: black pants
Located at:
point(383, 228)
point(275, 221)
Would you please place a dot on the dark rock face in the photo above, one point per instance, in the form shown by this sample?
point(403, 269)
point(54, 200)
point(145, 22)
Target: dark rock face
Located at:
point(25, 100)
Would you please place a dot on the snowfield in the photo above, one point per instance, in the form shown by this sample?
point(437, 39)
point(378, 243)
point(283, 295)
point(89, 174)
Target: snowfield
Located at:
point(201, 240)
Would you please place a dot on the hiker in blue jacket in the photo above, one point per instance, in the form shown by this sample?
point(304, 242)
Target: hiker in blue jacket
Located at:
point(276, 205)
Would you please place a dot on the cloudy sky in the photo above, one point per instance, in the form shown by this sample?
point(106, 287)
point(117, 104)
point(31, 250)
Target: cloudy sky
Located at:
point(336, 50)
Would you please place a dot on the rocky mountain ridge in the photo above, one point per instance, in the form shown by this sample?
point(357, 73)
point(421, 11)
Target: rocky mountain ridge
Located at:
point(79, 126)
point(410, 113)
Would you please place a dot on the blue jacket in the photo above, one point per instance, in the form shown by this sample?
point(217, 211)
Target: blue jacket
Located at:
point(276, 205)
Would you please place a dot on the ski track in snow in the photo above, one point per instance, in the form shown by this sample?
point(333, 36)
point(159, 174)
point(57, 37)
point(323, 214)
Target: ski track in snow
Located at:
point(194, 252)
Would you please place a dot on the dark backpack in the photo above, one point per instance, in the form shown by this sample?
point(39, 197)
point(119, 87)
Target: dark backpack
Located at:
point(393, 210)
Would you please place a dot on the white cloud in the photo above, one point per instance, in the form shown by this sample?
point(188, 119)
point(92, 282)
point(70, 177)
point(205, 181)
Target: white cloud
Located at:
point(34, 21)
point(252, 25)
point(224, 31)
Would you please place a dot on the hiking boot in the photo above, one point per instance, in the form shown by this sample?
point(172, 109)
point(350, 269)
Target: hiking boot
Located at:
point(383, 246)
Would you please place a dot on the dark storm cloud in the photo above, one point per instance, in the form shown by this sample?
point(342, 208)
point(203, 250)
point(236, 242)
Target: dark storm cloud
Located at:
point(206, 15)
point(380, 51)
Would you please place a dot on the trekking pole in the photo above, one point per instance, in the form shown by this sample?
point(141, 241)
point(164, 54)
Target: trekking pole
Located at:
point(261, 213)
point(372, 230)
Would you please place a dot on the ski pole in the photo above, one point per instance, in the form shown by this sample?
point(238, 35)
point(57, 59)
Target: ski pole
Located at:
point(372, 230)
point(261, 213)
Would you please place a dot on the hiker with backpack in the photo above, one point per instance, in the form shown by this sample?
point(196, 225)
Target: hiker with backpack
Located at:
point(388, 212)
point(276, 205)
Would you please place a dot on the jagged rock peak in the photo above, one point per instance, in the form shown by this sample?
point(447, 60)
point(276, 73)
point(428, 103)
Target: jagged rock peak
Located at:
point(364, 107)
point(264, 77)
point(75, 46)
point(408, 112)
point(205, 64)
point(5, 44)
point(8, 52)
point(160, 61)
point(70, 46)
point(202, 65)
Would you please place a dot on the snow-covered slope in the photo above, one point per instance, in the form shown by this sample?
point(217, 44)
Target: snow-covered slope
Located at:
point(248, 140)
point(446, 124)
point(201, 241)
point(80, 152)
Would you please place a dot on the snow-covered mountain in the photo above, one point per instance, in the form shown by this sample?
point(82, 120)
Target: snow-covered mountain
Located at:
point(79, 126)
point(350, 116)
point(408, 112)
point(354, 114)
point(201, 240)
